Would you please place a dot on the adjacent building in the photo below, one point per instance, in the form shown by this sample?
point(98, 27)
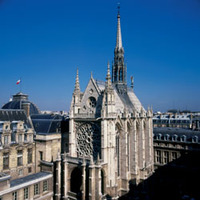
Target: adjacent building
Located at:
point(19, 178)
point(179, 120)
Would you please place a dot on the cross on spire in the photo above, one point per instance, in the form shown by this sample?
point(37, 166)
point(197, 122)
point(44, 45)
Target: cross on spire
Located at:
point(119, 35)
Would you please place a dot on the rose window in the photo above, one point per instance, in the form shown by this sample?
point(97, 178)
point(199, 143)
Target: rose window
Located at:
point(92, 102)
point(88, 140)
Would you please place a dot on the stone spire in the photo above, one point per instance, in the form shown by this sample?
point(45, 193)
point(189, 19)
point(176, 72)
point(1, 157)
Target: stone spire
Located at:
point(77, 84)
point(76, 95)
point(119, 34)
point(108, 77)
point(119, 68)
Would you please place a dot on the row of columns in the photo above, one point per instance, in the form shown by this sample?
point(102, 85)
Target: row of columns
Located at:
point(92, 191)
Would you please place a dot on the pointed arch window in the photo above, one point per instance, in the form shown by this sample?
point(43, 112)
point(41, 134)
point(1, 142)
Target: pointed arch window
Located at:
point(117, 151)
point(120, 74)
point(128, 151)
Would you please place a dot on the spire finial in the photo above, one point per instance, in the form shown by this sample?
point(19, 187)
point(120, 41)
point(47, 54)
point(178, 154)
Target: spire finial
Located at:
point(77, 85)
point(119, 35)
point(118, 7)
point(132, 81)
point(108, 76)
point(108, 71)
point(91, 76)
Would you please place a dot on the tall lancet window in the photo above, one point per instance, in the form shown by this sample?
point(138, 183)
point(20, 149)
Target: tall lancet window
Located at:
point(118, 149)
point(128, 151)
point(117, 152)
point(128, 145)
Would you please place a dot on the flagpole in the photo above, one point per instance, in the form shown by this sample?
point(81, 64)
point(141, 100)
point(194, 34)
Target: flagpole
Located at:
point(20, 84)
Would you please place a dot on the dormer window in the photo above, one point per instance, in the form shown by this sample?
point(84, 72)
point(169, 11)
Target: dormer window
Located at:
point(174, 138)
point(195, 139)
point(30, 138)
point(14, 126)
point(25, 137)
point(6, 137)
point(20, 138)
point(183, 138)
point(158, 137)
point(13, 137)
point(166, 137)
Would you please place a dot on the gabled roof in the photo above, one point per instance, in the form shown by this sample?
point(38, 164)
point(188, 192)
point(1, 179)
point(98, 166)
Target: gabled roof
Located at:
point(126, 100)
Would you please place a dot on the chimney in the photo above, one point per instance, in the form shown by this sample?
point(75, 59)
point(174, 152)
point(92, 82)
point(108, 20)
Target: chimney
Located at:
point(26, 107)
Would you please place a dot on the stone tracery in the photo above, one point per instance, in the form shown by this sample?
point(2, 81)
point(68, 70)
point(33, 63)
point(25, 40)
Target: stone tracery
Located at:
point(88, 139)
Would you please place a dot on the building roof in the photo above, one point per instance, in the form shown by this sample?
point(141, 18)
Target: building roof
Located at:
point(12, 115)
point(47, 123)
point(4, 176)
point(189, 134)
point(17, 101)
point(28, 178)
point(125, 100)
point(172, 117)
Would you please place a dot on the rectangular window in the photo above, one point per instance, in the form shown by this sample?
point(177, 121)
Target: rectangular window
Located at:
point(26, 193)
point(5, 160)
point(20, 172)
point(29, 170)
point(36, 189)
point(19, 158)
point(13, 137)
point(30, 138)
point(41, 155)
point(20, 138)
point(5, 139)
point(158, 156)
point(166, 157)
point(14, 196)
point(45, 186)
point(174, 155)
point(29, 156)
point(25, 137)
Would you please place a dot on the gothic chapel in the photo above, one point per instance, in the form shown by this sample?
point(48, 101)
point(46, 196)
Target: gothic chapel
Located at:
point(110, 136)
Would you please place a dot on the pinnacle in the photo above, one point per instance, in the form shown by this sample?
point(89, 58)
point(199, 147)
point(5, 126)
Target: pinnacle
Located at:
point(77, 85)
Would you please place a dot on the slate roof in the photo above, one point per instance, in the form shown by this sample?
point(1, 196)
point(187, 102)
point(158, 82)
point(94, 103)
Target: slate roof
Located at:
point(128, 100)
point(18, 100)
point(46, 123)
point(179, 132)
point(28, 178)
point(14, 115)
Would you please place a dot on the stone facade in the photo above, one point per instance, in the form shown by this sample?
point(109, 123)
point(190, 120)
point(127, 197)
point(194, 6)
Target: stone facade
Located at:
point(48, 147)
point(19, 178)
point(110, 136)
point(17, 151)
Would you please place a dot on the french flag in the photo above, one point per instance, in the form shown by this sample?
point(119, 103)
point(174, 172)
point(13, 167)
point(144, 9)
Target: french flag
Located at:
point(18, 82)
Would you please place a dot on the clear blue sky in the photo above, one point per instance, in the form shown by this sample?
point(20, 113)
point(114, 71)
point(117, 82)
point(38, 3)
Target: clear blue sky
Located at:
point(45, 41)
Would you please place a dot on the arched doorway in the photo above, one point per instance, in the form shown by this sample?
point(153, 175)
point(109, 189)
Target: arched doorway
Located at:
point(76, 182)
